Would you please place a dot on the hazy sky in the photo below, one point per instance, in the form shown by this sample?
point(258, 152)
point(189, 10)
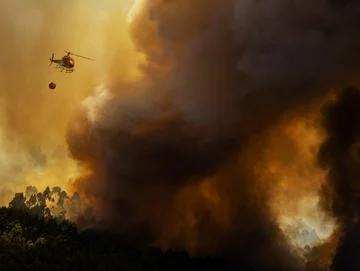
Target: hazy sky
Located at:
point(30, 114)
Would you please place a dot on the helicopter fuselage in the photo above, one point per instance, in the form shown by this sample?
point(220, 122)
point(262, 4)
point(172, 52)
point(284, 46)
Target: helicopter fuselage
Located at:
point(66, 62)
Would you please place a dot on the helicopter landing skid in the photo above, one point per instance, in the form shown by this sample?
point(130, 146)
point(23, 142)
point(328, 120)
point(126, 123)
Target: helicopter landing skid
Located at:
point(67, 70)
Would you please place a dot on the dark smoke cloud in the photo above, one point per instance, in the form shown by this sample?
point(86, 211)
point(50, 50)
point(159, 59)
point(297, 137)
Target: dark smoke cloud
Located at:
point(218, 74)
point(340, 155)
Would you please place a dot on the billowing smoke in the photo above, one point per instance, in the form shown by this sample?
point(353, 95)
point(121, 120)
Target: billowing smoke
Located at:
point(199, 152)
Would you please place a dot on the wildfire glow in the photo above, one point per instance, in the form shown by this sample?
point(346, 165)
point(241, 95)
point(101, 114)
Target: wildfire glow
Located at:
point(292, 165)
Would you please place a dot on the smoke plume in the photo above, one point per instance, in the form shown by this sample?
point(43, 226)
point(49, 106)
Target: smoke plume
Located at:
point(216, 126)
point(214, 145)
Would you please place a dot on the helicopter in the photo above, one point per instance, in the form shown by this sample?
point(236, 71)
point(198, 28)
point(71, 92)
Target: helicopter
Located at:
point(66, 63)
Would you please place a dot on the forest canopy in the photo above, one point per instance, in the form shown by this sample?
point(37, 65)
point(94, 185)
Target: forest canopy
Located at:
point(32, 238)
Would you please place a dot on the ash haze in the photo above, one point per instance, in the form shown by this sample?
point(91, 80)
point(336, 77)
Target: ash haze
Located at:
point(214, 126)
point(33, 119)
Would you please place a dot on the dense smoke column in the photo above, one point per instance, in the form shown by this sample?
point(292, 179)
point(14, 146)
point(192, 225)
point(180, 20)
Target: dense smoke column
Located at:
point(133, 178)
point(340, 155)
point(218, 75)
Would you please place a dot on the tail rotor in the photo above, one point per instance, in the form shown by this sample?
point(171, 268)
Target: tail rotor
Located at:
point(51, 59)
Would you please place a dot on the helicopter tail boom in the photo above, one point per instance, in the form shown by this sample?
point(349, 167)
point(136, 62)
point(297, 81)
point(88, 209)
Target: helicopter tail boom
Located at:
point(51, 59)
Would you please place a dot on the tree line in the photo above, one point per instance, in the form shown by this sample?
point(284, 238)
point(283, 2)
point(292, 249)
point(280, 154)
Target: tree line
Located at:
point(32, 238)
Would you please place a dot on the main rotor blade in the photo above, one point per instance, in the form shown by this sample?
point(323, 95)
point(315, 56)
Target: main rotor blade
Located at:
point(79, 56)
